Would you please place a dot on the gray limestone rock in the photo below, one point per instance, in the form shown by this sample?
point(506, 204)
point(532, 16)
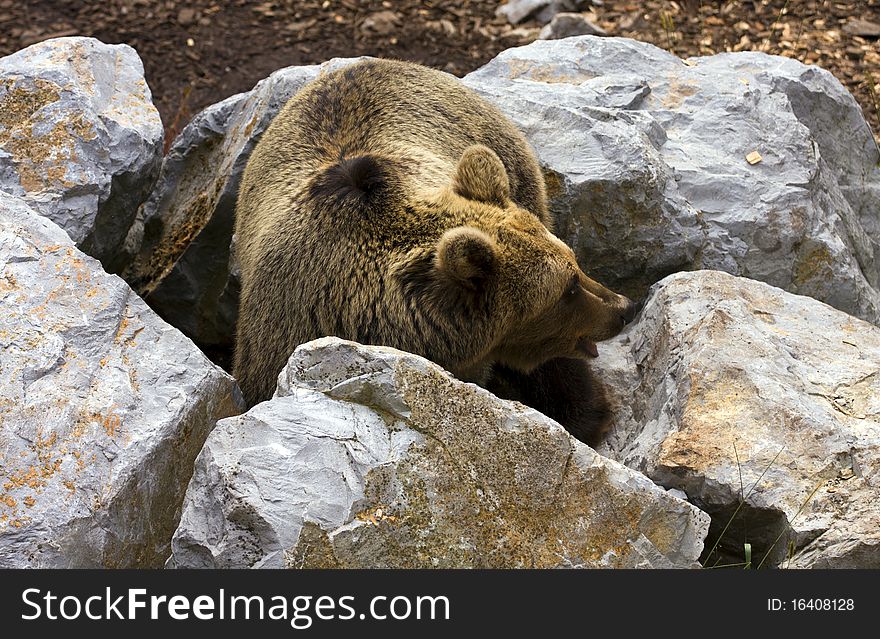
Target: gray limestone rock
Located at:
point(737, 392)
point(103, 407)
point(743, 162)
point(371, 457)
point(566, 25)
point(80, 139)
point(542, 11)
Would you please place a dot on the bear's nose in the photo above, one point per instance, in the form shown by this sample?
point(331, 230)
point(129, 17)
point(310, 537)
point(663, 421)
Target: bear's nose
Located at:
point(631, 310)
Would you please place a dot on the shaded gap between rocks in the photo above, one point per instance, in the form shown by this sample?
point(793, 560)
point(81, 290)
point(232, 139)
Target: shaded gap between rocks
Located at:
point(766, 529)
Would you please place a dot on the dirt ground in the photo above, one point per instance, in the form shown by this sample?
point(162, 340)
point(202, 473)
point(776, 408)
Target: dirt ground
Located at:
point(198, 52)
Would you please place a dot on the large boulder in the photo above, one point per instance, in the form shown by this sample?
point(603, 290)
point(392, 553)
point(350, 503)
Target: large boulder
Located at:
point(103, 407)
point(371, 457)
point(184, 267)
point(764, 408)
point(80, 139)
point(752, 164)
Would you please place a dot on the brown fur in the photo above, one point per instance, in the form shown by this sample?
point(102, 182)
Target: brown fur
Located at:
point(563, 389)
point(389, 204)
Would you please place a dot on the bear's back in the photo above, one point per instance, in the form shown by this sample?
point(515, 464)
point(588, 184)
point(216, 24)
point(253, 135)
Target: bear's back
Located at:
point(420, 117)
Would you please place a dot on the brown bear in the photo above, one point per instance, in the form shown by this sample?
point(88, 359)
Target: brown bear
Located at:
point(389, 204)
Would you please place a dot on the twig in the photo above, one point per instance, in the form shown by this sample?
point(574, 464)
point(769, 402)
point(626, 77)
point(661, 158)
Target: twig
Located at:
point(775, 22)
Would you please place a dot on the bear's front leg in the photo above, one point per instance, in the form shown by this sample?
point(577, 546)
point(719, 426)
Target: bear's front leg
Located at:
point(564, 390)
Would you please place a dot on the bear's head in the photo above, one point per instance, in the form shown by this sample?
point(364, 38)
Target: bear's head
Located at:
point(481, 280)
point(521, 287)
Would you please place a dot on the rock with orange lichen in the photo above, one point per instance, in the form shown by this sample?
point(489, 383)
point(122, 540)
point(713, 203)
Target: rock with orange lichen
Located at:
point(372, 457)
point(735, 392)
point(80, 139)
point(103, 407)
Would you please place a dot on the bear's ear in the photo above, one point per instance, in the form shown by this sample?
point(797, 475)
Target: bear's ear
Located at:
point(467, 256)
point(365, 180)
point(481, 176)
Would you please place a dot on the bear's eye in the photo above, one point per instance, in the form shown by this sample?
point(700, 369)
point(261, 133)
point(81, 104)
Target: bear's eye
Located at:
point(573, 287)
